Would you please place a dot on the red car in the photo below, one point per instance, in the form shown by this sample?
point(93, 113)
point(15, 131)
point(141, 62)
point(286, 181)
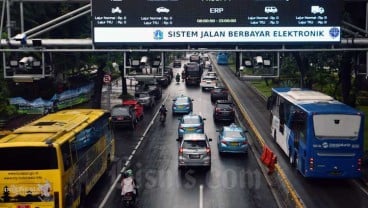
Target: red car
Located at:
point(138, 107)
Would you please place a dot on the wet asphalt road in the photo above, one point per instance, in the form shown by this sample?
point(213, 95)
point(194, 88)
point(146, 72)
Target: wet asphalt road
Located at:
point(233, 181)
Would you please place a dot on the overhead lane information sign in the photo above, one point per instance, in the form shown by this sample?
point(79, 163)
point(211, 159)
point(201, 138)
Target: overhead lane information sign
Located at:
point(145, 22)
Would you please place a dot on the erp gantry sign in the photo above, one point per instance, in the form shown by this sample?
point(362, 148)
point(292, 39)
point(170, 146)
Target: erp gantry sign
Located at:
point(175, 22)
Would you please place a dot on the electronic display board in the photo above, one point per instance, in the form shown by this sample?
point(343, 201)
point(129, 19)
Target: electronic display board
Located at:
point(145, 22)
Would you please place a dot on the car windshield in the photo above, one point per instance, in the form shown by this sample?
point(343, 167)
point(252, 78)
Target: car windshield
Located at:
point(182, 100)
point(120, 111)
point(218, 90)
point(234, 134)
point(209, 78)
point(224, 106)
point(143, 95)
point(194, 144)
point(191, 120)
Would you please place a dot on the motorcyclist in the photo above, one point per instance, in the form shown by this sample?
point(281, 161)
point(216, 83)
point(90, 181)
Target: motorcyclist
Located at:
point(177, 77)
point(183, 75)
point(128, 184)
point(163, 110)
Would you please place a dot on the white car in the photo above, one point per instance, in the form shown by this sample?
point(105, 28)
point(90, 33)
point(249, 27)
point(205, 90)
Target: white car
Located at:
point(162, 10)
point(208, 82)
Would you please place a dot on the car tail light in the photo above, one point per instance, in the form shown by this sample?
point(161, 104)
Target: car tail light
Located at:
point(180, 151)
point(359, 167)
point(217, 110)
point(223, 142)
point(245, 142)
point(200, 127)
point(311, 164)
point(208, 151)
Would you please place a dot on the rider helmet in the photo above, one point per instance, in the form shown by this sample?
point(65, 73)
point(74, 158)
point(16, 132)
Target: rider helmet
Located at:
point(128, 173)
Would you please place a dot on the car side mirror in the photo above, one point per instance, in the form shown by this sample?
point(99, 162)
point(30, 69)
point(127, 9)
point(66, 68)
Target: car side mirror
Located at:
point(177, 139)
point(210, 139)
point(204, 119)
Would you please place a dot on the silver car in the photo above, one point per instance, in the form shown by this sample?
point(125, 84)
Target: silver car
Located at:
point(194, 151)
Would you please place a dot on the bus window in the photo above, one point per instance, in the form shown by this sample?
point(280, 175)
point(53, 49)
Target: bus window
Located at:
point(67, 157)
point(28, 158)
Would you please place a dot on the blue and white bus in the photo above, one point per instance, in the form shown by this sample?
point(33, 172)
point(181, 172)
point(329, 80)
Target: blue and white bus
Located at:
point(322, 137)
point(222, 58)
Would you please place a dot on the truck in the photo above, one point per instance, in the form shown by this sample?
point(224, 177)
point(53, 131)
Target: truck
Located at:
point(193, 73)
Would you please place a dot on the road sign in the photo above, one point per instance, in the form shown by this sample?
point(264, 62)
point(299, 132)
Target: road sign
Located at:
point(107, 78)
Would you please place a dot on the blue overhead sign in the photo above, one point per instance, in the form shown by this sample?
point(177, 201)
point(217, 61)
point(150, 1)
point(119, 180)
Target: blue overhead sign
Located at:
point(147, 22)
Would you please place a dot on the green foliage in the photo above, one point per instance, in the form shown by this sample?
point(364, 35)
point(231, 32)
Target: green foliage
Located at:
point(6, 110)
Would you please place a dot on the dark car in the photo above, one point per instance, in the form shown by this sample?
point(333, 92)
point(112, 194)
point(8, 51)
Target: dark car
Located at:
point(164, 81)
point(152, 89)
point(219, 93)
point(177, 63)
point(168, 71)
point(224, 111)
point(123, 115)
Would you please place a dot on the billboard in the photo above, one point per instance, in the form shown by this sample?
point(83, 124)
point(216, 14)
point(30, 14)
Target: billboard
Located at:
point(232, 22)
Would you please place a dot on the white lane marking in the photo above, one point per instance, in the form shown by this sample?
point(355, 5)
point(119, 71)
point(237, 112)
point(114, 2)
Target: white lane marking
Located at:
point(112, 188)
point(361, 187)
point(201, 196)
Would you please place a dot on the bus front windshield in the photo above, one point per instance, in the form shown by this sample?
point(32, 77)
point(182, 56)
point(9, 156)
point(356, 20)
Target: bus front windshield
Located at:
point(336, 126)
point(28, 158)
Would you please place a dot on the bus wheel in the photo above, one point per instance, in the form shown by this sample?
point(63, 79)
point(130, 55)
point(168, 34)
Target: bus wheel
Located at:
point(292, 160)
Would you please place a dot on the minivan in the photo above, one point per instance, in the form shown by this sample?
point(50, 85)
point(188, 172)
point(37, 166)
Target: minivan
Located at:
point(194, 151)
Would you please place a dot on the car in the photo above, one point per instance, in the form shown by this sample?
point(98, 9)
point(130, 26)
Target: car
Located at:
point(123, 115)
point(211, 73)
point(208, 82)
point(164, 81)
point(232, 139)
point(182, 104)
point(224, 110)
point(162, 10)
point(194, 151)
point(152, 89)
point(191, 123)
point(208, 66)
point(270, 9)
point(219, 93)
point(147, 99)
point(138, 107)
point(168, 71)
point(177, 63)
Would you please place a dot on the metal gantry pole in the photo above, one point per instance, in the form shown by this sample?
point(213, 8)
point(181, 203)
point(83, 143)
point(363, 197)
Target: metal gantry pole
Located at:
point(8, 18)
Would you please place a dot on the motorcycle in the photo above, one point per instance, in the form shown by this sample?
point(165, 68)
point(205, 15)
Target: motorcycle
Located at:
point(129, 200)
point(177, 79)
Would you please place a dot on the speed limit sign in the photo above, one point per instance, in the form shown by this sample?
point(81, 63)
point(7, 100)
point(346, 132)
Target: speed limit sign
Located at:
point(107, 78)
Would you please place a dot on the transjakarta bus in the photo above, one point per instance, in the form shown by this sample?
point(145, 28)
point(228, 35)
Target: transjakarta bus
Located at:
point(322, 137)
point(56, 160)
point(222, 58)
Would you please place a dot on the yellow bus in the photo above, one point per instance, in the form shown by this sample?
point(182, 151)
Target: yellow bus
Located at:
point(56, 160)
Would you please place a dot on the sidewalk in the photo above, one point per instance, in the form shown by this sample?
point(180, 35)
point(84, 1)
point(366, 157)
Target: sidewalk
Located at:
point(110, 99)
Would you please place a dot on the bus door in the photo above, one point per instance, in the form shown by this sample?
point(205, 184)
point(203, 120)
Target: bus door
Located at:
point(298, 124)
